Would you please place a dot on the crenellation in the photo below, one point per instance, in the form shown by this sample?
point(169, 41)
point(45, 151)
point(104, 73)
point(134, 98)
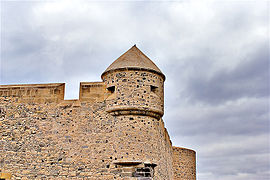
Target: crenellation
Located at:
point(92, 92)
point(114, 130)
point(34, 93)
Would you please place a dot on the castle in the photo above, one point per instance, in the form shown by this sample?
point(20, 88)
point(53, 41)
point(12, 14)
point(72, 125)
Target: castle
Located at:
point(113, 131)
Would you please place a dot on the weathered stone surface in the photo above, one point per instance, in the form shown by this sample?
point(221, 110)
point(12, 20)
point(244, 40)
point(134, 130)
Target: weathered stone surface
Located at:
point(184, 163)
point(113, 131)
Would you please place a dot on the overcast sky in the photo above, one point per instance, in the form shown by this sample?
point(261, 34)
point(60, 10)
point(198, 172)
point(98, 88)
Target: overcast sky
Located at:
point(215, 56)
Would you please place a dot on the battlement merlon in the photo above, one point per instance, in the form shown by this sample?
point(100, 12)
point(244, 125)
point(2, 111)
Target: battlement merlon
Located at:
point(92, 92)
point(38, 93)
point(53, 92)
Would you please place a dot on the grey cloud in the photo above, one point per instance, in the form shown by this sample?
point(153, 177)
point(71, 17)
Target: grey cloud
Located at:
point(256, 164)
point(248, 79)
point(216, 122)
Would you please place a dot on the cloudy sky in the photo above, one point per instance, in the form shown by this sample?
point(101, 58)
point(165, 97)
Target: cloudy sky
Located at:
point(215, 55)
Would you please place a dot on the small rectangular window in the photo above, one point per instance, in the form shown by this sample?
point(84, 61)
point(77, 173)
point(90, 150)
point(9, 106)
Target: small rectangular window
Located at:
point(154, 89)
point(144, 172)
point(111, 89)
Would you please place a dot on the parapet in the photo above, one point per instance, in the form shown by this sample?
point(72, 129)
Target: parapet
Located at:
point(34, 93)
point(184, 163)
point(53, 92)
point(92, 91)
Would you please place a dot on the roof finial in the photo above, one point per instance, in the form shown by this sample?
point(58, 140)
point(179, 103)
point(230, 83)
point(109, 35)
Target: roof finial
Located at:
point(134, 45)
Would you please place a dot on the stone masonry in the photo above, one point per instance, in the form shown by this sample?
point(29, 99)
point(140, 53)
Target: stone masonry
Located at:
point(114, 130)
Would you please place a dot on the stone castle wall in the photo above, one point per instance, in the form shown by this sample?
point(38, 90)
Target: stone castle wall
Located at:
point(44, 137)
point(63, 141)
point(184, 163)
point(113, 131)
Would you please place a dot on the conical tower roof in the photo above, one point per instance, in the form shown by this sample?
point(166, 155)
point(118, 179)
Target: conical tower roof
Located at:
point(135, 59)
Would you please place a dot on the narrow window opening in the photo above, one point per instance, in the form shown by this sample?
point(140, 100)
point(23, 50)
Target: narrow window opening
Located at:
point(111, 89)
point(144, 172)
point(154, 89)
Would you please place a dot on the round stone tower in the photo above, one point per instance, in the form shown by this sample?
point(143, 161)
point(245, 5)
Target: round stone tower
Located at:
point(135, 86)
point(135, 99)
